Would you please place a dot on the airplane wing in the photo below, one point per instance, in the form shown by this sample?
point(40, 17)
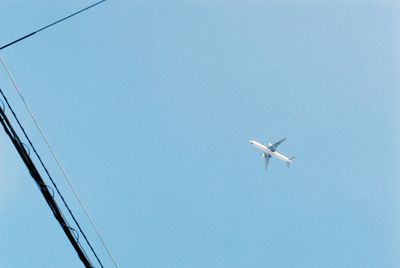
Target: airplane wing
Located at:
point(266, 159)
point(276, 144)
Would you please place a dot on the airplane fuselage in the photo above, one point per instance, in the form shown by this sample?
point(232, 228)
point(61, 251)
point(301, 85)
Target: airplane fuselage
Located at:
point(268, 151)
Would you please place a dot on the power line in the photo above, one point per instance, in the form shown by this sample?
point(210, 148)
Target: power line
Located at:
point(51, 24)
point(66, 177)
point(43, 188)
point(41, 131)
point(50, 177)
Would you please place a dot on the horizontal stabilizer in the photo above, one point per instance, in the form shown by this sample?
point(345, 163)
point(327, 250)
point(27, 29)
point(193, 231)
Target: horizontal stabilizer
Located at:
point(290, 161)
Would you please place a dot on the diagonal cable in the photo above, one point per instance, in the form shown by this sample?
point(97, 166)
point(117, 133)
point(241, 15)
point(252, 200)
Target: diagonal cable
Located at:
point(52, 181)
point(59, 163)
point(51, 24)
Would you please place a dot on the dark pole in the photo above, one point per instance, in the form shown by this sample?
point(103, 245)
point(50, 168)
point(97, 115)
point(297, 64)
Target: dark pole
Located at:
point(43, 188)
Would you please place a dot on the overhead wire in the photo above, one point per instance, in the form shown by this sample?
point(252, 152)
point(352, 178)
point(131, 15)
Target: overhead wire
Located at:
point(48, 175)
point(66, 177)
point(51, 24)
point(64, 173)
point(44, 189)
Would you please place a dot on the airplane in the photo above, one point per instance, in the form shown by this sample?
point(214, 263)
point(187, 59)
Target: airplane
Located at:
point(269, 150)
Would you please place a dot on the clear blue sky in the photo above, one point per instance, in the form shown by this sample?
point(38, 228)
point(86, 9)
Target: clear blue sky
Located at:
point(150, 105)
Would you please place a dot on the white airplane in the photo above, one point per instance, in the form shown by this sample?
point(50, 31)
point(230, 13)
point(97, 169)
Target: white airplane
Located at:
point(269, 150)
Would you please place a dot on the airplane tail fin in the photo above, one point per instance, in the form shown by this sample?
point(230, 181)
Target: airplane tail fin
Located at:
point(291, 161)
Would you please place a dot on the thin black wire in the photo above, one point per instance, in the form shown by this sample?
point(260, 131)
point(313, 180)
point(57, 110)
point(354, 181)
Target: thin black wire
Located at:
point(51, 24)
point(51, 179)
point(67, 17)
